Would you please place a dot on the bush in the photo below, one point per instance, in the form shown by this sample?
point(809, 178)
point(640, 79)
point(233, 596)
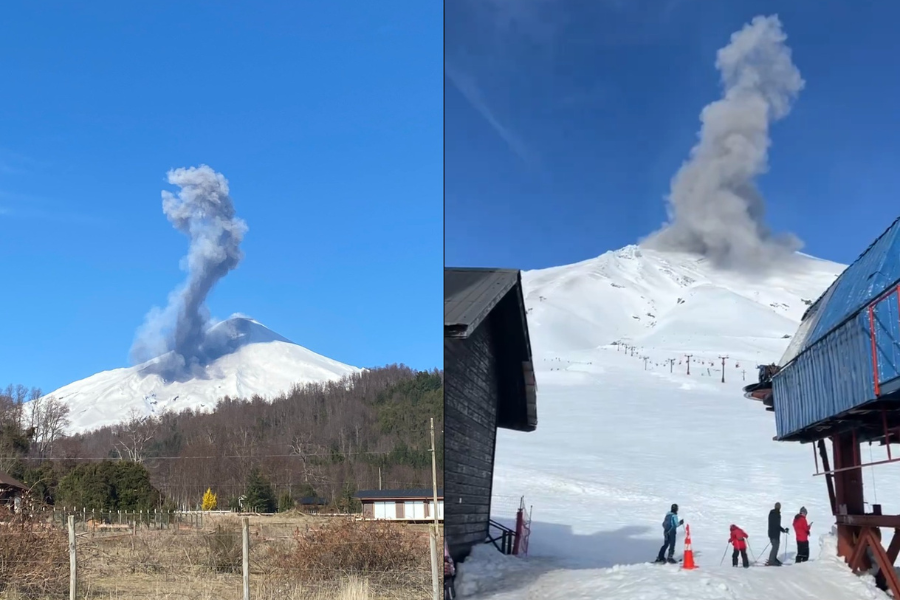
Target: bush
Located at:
point(224, 552)
point(34, 560)
point(350, 547)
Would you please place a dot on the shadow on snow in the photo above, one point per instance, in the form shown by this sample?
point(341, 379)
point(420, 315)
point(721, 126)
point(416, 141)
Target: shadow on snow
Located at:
point(556, 547)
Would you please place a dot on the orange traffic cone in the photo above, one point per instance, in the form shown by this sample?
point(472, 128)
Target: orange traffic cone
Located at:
point(688, 552)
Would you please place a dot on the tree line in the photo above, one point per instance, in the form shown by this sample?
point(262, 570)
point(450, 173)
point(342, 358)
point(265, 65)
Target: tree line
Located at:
point(321, 440)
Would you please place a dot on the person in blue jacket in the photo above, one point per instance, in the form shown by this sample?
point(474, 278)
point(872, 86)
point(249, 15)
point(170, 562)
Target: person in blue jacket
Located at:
point(670, 526)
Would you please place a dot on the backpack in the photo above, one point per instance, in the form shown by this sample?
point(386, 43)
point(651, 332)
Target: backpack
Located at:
point(667, 522)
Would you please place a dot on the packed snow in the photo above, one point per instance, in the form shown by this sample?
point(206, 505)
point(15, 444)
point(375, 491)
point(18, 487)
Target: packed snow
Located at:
point(620, 438)
point(488, 574)
point(259, 363)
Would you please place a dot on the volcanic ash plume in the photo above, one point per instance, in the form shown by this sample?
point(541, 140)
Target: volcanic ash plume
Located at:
point(202, 210)
point(714, 206)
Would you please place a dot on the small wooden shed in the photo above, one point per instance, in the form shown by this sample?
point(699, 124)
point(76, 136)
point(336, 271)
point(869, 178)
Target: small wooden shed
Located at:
point(488, 383)
point(401, 505)
point(11, 491)
point(311, 504)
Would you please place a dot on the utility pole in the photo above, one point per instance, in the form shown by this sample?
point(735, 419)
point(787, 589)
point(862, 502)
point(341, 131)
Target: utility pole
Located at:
point(743, 375)
point(688, 356)
point(646, 358)
point(671, 362)
point(435, 577)
point(724, 358)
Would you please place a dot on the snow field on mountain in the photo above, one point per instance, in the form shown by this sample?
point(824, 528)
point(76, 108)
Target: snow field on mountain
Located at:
point(669, 301)
point(620, 439)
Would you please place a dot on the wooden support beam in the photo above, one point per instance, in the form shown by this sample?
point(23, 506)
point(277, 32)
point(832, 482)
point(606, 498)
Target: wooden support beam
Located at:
point(889, 521)
point(859, 532)
point(829, 479)
point(886, 567)
point(894, 549)
point(848, 493)
point(857, 556)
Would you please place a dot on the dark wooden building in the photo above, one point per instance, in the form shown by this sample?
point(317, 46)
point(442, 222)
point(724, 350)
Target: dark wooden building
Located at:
point(488, 383)
point(311, 504)
point(11, 491)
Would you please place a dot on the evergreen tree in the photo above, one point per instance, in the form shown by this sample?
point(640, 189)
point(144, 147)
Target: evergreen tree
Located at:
point(259, 496)
point(108, 486)
point(285, 502)
point(348, 502)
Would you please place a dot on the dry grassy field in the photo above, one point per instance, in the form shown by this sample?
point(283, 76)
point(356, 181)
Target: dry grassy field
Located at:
point(292, 556)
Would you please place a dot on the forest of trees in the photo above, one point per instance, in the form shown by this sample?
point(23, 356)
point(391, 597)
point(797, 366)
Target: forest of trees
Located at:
point(326, 440)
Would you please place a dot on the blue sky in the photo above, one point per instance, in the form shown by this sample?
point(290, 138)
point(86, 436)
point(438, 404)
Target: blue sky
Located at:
point(326, 118)
point(565, 121)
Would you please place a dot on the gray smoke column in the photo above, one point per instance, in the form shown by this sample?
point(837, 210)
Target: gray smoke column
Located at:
point(714, 206)
point(202, 210)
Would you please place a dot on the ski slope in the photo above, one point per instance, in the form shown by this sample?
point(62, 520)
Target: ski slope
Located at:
point(260, 362)
point(619, 439)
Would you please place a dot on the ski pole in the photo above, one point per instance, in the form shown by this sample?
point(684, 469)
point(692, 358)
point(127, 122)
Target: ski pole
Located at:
point(784, 556)
point(763, 552)
point(725, 554)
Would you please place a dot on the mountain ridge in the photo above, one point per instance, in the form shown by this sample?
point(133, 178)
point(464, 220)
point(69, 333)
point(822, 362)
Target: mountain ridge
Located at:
point(668, 300)
point(256, 361)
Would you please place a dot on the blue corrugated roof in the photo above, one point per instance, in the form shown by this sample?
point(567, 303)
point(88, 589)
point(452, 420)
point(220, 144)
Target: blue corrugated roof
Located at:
point(828, 369)
point(828, 380)
point(873, 273)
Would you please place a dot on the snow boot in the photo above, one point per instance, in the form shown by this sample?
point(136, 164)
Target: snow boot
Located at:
point(671, 561)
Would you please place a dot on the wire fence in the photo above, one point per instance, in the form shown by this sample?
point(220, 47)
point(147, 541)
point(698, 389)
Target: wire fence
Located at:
point(167, 555)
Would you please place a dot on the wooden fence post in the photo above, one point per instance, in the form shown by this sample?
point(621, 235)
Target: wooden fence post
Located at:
point(245, 526)
point(435, 576)
point(73, 562)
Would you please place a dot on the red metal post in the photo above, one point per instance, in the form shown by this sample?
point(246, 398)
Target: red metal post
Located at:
point(858, 466)
point(829, 479)
point(520, 521)
point(874, 349)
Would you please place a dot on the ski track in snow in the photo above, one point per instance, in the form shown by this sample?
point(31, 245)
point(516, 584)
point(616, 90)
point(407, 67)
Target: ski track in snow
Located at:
point(617, 444)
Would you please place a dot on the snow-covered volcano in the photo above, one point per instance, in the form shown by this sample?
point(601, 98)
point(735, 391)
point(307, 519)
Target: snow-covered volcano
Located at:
point(255, 361)
point(669, 301)
point(619, 439)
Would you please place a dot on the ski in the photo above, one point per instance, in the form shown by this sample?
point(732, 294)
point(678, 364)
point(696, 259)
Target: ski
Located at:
point(656, 562)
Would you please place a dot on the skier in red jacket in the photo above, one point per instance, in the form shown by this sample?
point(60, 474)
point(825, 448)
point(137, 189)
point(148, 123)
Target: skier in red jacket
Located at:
point(801, 529)
point(739, 541)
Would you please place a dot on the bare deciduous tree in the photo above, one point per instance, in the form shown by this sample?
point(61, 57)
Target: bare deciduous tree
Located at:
point(48, 418)
point(133, 436)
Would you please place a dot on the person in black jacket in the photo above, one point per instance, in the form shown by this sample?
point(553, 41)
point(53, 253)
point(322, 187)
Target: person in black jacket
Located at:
point(775, 531)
